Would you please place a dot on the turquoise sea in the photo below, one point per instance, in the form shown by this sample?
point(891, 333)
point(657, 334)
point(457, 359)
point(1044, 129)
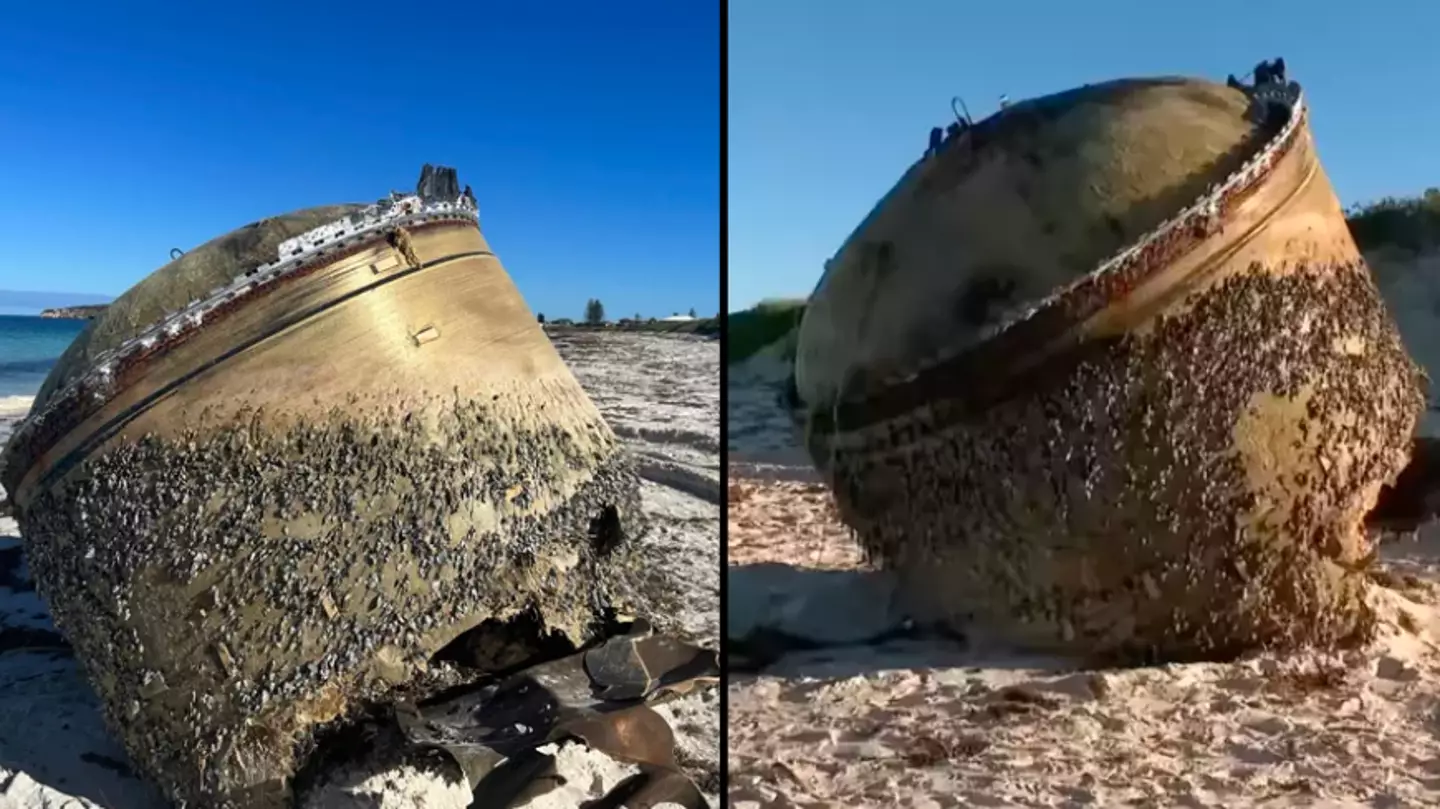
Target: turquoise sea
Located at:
point(29, 347)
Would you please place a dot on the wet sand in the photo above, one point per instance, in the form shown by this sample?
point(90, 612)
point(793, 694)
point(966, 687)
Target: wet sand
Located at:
point(660, 393)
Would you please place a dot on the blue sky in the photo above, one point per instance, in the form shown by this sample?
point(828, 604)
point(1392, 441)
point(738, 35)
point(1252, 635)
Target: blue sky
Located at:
point(830, 100)
point(589, 131)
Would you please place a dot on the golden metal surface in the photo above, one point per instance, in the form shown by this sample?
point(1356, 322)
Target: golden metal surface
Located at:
point(1165, 464)
point(1016, 223)
point(343, 332)
point(284, 515)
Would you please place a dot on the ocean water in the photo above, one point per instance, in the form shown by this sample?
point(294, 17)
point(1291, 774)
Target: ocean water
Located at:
point(29, 347)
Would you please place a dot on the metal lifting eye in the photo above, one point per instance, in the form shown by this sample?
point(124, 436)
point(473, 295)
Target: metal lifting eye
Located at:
point(962, 113)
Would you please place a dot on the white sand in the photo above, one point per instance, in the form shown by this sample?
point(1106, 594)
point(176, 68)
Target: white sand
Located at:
point(404, 787)
point(660, 393)
point(931, 723)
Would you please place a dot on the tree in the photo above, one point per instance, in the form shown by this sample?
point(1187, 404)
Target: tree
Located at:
point(541, 317)
point(692, 311)
point(594, 312)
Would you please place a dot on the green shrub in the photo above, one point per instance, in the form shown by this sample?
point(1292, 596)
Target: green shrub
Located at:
point(753, 329)
point(1411, 224)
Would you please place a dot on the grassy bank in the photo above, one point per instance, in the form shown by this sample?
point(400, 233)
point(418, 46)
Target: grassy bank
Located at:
point(704, 327)
point(1410, 224)
point(749, 331)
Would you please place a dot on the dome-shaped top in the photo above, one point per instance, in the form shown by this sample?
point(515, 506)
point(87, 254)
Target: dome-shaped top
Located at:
point(1026, 202)
point(188, 278)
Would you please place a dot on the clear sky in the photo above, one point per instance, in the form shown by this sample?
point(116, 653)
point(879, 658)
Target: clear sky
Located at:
point(830, 100)
point(589, 131)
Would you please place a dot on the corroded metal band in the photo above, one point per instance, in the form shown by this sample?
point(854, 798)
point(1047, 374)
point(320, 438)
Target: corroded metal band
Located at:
point(115, 370)
point(61, 466)
point(993, 366)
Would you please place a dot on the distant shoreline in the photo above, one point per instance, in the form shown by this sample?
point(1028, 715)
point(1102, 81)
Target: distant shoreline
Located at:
point(74, 312)
point(700, 327)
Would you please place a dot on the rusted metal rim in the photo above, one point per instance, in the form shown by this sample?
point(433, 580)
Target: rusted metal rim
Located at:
point(110, 428)
point(117, 370)
point(994, 366)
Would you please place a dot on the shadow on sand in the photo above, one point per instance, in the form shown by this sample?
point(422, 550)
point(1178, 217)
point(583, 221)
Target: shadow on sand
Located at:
point(52, 734)
point(788, 621)
point(798, 622)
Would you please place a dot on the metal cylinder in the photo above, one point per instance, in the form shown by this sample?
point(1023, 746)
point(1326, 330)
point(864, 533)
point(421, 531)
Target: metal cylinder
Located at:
point(1109, 376)
point(256, 513)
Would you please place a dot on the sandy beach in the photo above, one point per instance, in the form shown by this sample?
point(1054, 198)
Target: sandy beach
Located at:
point(661, 394)
point(938, 723)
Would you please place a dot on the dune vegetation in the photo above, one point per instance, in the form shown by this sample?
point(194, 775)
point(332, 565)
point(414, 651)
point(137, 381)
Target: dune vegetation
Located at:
point(750, 330)
point(1411, 224)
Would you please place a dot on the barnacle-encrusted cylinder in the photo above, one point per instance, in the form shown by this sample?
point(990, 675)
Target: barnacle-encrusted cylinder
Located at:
point(256, 512)
point(1108, 376)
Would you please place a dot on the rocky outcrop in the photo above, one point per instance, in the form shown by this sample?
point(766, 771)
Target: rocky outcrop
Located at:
point(75, 312)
